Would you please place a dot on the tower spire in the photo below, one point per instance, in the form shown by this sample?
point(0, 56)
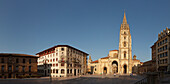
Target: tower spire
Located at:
point(124, 18)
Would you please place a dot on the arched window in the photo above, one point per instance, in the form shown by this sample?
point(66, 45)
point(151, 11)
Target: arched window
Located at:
point(124, 44)
point(124, 37)
point(62, 71)
point(70, 70)
point(125, 33)
point(124, 54)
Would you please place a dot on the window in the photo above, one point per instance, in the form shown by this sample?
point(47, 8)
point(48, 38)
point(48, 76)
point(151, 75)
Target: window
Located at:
point(29, 68)
point(124, 44)
point(16, 69)
point(166, 54)
point(10, 68)
point(23, 60)
point(62, 49)
point(2, 60)
point(56, 64)
point(62, 64)
point(17, 60)
point(125, 37)
point(124, 54)
point(53, 70)
point(162, 54)
point(125, 33)
point(166, 40)
point(2, 68)
point(165, 60)
point(23, 68)
point(62, 71)
point(48, 70)
point(29, 61)
point(56, 70)
point(166, 47)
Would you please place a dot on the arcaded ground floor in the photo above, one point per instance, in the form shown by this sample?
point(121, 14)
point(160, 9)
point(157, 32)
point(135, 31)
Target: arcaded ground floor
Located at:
point(88, 79)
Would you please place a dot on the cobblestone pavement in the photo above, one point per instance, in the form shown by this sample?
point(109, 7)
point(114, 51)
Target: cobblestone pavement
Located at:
point(79, 80)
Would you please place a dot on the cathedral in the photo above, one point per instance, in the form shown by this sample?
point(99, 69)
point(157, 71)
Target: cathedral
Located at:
point(118, 61)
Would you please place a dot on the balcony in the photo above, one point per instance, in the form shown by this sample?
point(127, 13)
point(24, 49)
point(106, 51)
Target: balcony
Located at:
point(63, 61)
point(75, 60)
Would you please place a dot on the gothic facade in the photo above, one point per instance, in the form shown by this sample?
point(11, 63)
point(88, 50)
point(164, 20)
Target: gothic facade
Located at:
point(118, 61)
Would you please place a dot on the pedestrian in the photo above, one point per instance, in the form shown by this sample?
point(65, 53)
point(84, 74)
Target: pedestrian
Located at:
point(114, 74)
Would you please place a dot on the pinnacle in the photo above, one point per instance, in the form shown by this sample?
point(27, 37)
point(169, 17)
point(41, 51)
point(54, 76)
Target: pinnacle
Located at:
point(124, 19)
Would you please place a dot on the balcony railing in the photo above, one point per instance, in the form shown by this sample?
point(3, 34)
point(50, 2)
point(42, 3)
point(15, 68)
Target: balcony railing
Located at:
point(63, 61)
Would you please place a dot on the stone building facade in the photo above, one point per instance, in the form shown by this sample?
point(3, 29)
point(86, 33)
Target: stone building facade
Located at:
point(62, 61)
point(163, 51)
point(148, 66)
point(118, 61)
point(15, 65)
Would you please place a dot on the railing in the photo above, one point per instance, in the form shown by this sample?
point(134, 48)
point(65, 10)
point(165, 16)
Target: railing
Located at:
point(143, 81)
point(62, 61)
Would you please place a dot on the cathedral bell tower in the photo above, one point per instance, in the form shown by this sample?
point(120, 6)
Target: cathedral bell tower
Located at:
point(125, 48)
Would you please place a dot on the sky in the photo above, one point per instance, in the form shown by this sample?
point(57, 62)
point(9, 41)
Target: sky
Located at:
point(30, 26)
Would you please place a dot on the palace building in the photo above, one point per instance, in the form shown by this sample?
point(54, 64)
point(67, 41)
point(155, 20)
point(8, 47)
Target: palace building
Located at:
point(62, 61)
point(118, 61)
point(17, 65)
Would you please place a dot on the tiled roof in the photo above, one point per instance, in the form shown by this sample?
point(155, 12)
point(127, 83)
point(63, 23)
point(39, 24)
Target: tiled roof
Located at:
point(62, 46)
point(96, 61)
point(16, 55)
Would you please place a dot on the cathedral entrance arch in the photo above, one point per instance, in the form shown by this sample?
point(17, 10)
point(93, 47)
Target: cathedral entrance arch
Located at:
point(114, 67)
point(125, 69)
point(105, 70)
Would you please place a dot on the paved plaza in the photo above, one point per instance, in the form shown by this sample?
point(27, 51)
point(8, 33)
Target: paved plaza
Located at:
point(77, 80)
